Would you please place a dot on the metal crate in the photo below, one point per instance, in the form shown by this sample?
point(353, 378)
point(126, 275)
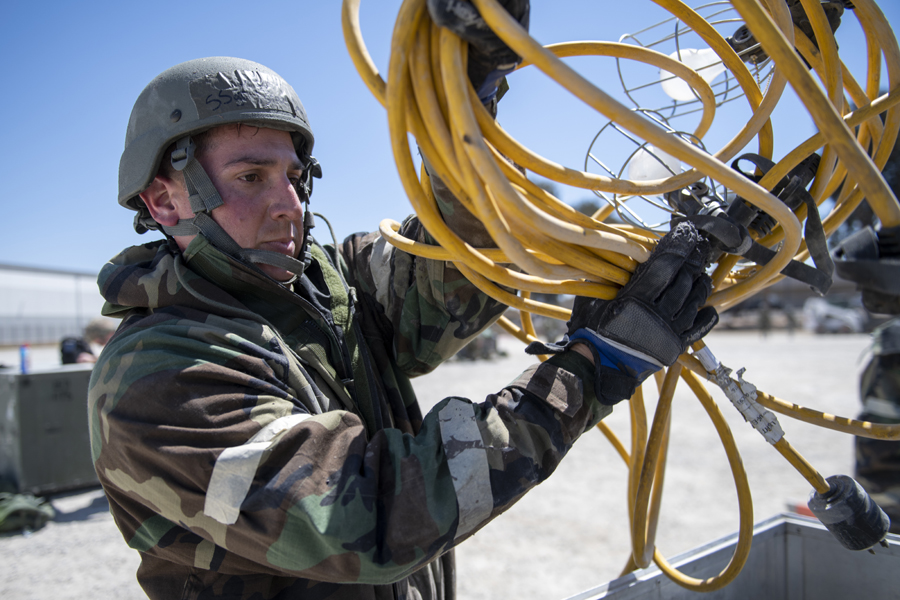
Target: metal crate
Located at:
point(44, 440)
point(792, 558)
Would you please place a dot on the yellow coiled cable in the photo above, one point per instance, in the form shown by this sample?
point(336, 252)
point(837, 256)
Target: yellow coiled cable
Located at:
point(545, 246)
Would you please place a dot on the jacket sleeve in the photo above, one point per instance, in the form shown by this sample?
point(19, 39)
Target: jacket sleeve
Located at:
point(210, 460)
point(428, 306)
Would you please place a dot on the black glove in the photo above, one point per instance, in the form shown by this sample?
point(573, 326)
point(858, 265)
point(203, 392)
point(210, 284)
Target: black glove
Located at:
point(871, 259)
point(490, 59)
point(651, 321)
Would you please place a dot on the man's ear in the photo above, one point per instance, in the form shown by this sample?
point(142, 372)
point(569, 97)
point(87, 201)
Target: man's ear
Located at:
point(160, 199)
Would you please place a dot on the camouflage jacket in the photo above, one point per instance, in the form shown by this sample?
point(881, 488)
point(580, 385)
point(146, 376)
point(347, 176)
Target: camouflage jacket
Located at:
point(260, 442)
point(878, 461)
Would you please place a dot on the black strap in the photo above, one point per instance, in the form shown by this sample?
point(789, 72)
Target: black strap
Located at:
point(817, 279)
point(791, 190)
point(728, 236)
point(735, 239)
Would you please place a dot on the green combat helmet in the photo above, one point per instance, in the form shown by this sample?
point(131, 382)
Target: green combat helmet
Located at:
point(193, 97)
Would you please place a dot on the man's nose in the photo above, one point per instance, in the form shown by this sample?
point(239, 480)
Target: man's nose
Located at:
point(285, 201)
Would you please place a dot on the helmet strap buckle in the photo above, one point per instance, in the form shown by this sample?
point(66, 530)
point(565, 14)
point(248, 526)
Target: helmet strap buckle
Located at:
point(183, 153)
point(305, 185)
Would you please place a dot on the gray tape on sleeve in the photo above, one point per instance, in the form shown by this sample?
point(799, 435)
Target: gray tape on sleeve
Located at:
point(236, 467)
point(468, 462)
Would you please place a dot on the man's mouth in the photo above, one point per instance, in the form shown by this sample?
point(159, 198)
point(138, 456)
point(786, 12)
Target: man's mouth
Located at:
point(286, 247)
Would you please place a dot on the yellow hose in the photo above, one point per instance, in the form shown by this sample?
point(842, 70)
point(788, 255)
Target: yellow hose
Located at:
point(545, 246)
point(643, 528)
point(745, 500)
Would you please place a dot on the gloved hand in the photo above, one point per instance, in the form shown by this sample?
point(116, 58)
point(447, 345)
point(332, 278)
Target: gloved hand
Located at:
point(651, 321)
point(871, 259)
point(490, 59)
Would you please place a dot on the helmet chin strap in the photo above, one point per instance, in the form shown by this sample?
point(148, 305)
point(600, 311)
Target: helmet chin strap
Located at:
point(204, 198)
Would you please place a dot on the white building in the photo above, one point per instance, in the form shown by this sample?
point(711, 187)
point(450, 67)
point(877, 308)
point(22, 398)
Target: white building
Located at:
point(41, 306)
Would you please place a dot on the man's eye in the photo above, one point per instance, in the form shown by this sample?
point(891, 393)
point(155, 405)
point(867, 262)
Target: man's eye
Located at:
point(251, 177)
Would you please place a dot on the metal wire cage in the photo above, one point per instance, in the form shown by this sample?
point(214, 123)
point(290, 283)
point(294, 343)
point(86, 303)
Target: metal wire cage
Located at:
point(670, 102)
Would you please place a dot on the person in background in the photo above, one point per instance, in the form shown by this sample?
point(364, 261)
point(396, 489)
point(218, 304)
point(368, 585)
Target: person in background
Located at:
point(85, 349)
point(878, 461)
point(870, 257)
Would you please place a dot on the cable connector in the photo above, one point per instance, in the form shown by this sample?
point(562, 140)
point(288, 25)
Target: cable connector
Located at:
point(742, 394)
point(850, 514)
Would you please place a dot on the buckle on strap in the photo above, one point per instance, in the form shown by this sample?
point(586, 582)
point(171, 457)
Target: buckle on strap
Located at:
point(305, 185)
point(202, 194)
point(183, 153)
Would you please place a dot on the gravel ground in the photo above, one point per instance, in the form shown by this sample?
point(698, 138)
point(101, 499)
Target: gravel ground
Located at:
point(569, 534)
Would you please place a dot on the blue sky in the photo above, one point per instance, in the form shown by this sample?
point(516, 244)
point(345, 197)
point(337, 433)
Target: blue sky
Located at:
point(74, 69)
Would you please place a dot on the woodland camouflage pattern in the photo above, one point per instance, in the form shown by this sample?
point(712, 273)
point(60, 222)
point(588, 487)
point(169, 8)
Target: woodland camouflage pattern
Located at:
point(248, 452)
point(878, 461)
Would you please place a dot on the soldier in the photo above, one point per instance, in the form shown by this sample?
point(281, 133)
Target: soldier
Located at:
point(252, 420)
point(85, 349)
point(870, 257)
point(878, 461)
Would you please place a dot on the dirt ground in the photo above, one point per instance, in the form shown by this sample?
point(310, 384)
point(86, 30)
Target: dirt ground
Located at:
point(569, 534)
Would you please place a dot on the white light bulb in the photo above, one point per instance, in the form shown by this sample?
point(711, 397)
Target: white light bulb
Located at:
point(650, 163)
point(705, 61)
